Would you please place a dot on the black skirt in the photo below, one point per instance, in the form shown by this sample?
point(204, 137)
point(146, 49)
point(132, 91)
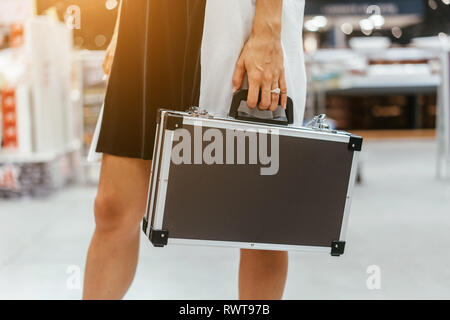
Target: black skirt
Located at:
point(156, 65)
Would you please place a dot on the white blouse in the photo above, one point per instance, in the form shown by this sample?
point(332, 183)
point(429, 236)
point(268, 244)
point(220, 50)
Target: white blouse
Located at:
point(228, 24)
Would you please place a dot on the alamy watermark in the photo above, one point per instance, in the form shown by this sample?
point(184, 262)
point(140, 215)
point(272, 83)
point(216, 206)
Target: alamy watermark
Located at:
point(228, 146)
point(73, 281)
point(72, 17)
point(373, 282)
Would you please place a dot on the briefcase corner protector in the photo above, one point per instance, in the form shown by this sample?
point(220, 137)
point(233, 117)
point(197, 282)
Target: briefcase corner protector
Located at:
point(355, 143)
point(337, 248)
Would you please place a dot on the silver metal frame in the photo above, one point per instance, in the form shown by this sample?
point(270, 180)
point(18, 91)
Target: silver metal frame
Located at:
point(245, 245)
point(348, 201)
point(163, 179)
point(161, 166)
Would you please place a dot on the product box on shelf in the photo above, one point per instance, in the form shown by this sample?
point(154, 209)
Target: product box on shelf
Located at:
point(36, 177)
point(92, 88)
point(16, 123)
point(48, 48)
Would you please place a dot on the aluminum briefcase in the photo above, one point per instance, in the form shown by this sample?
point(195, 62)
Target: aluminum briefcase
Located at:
point(250, 183)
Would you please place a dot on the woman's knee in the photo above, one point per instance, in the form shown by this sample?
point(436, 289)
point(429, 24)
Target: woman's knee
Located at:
point(264, 255)
point(122, 194)
point(115, 214)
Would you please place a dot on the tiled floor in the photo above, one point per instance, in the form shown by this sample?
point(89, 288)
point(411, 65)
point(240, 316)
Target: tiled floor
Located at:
point(400, 222)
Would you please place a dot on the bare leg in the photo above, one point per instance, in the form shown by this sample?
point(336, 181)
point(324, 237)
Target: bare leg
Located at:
point(119, 209)
point(262, 274)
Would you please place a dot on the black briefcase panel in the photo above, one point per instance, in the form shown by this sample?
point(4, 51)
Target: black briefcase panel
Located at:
point(250, 183)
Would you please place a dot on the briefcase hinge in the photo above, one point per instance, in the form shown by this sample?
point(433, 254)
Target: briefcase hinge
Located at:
point(337, 248)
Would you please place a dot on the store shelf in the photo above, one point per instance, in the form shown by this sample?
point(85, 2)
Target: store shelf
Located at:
point(387, 84)
point(396, 134)
point(14, 157)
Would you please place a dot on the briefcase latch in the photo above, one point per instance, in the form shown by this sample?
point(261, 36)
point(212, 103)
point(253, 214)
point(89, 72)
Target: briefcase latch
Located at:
point(198, 113)
point(318, 123)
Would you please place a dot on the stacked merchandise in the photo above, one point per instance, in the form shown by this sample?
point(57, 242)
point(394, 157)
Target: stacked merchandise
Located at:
point(373, 87)
point(39, 144)
point(93, 88)
point(36, 177)
point(9, 124)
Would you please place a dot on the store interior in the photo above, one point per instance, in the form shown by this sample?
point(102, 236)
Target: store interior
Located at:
point(379, 69)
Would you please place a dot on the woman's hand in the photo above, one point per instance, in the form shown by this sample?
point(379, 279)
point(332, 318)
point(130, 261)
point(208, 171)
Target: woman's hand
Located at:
point(262, 58)
point(109, 58)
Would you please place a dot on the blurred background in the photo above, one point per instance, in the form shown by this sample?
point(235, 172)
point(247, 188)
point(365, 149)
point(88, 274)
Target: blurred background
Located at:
point(376, 68)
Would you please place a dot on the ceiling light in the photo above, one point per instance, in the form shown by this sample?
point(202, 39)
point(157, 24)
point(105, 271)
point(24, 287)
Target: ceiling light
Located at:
point(397, 32)
point(320, 21)
point(347, 28)
point(311, 25)
point(111, 4)
point(432, 4)
point(366, 25)
point(377, 20)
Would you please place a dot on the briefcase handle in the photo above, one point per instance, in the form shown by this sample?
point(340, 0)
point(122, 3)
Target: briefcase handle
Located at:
point(241, 95)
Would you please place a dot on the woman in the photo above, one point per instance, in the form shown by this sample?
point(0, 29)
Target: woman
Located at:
point(177, 54)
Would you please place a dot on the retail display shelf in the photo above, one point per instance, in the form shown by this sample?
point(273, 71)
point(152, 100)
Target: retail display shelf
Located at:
point(7, 156)
point(391, 81)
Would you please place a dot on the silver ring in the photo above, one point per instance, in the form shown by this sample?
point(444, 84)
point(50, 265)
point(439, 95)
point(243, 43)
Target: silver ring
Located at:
point(276, 91)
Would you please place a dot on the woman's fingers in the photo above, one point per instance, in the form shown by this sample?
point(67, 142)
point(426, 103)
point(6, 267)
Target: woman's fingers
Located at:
point(109, 57)
point(238, 75)
point(266, 96)
point(275, 96)
point(283, 89)
point(254, 86)
point(107, 64)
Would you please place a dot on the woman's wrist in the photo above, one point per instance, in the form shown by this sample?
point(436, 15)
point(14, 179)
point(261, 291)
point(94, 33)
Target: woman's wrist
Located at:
point(267, 21)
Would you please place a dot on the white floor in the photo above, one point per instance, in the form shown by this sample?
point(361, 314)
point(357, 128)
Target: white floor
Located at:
point(400, 223)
